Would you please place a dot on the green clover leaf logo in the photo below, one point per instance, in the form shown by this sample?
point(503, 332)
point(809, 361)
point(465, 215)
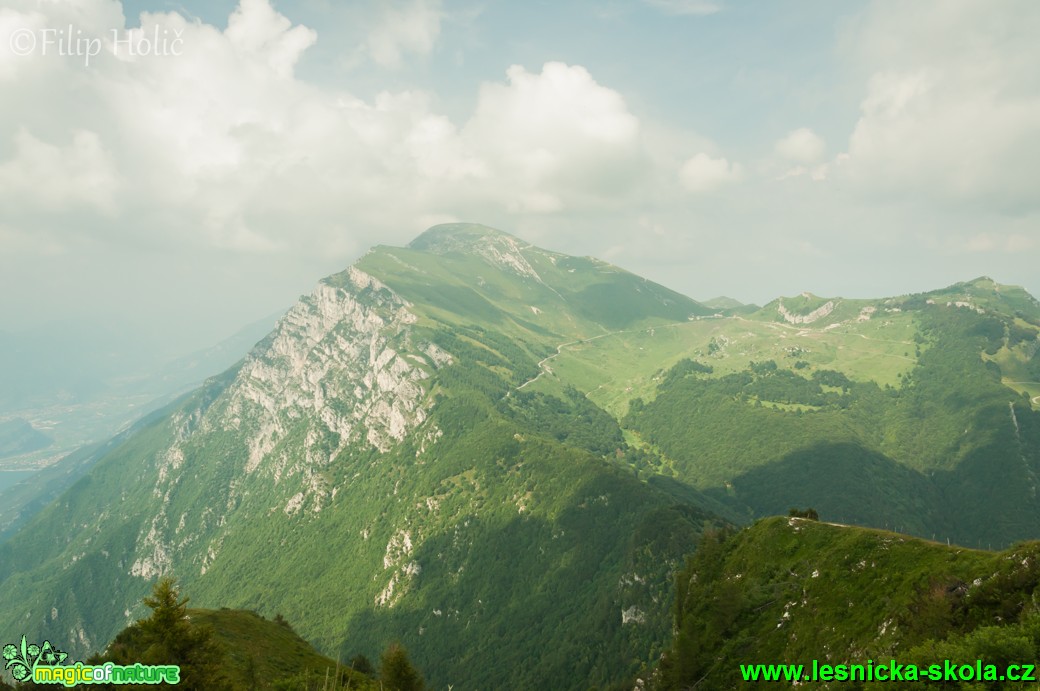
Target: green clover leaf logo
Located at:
point(22, 659)
point(19, 671)
point(10, 651)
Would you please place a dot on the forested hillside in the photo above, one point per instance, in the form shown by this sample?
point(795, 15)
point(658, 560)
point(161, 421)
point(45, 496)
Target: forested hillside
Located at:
point(949, 452)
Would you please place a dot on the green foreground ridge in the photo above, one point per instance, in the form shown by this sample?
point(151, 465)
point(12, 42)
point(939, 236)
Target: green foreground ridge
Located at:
point(793, 590)
point(239, 650)
point(500, 457)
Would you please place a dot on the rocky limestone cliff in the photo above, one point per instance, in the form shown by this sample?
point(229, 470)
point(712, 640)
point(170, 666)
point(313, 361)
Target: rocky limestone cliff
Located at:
point(340, 369)
point(818, 313)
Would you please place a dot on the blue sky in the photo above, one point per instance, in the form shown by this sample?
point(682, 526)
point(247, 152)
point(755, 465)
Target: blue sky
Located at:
point(739, 148)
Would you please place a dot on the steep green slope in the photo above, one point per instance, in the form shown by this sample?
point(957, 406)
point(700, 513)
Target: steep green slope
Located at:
point(470, 274)
point(376, 470)
point(18, 504)
point(790, 590)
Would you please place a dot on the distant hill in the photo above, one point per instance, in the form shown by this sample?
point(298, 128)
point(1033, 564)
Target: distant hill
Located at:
point(723, 303)
point(18, 436)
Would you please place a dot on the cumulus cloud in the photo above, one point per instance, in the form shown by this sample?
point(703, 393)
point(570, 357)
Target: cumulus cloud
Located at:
point(222, 146)
point(404, 29)
point(951, 104)
point(801, 146)
point(222, 156)
point(552, 137)
point(45, 176)
point(702, 173)
point(257, 29)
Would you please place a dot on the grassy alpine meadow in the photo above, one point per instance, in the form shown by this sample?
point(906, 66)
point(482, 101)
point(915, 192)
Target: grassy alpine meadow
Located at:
point(615, 368)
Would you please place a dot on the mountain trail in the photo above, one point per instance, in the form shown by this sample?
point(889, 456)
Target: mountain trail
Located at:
point(559, 348)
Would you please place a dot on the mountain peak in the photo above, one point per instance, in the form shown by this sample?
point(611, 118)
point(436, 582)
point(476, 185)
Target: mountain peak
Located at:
point(722, 302)
point(501, 250)
point(453, 237)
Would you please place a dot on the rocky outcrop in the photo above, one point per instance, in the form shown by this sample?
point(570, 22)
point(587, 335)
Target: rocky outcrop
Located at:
point(332, 359)
point(818, 313)
point(339, 370)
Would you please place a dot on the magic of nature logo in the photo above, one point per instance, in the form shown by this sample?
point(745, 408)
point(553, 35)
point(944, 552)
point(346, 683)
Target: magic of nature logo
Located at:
point(45, 664)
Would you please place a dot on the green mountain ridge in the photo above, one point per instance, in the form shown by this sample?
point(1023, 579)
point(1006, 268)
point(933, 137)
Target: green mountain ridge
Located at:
point(790, 591)
point(252, 653)
point(499, 455)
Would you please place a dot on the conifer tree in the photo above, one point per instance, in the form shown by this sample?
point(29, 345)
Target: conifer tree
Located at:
point(168, 637)
point(396, 671)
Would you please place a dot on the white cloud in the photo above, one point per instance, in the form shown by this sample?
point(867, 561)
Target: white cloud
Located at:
point(702, 173)
point(685, 7)
point(405, 29)
point(548, 139)
point(224, 147)
point(951, 105)
point(801, 146)
point(18, 32)
point(53, 178)
point(257, 29)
